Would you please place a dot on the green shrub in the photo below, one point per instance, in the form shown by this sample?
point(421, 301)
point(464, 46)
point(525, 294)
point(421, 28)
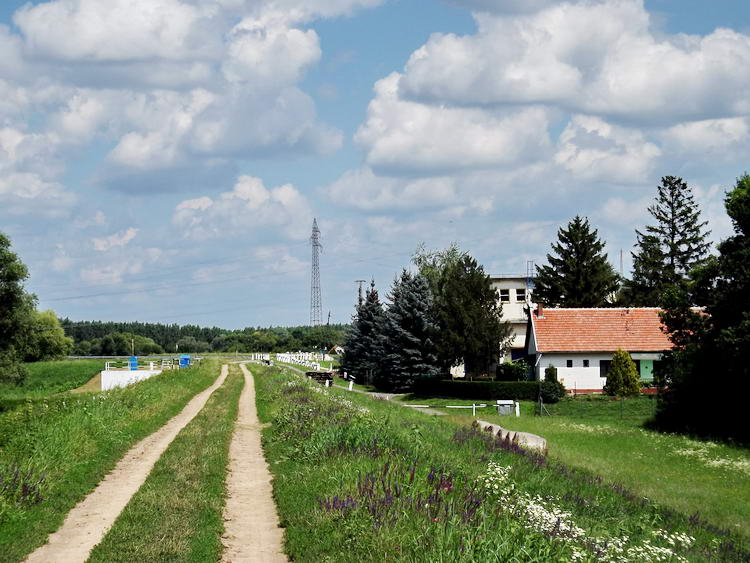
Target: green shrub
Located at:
point(552, 391)
point(11, 370)
point(622, 379)
point(550, 373)
point(484, 390)
point(512, 371)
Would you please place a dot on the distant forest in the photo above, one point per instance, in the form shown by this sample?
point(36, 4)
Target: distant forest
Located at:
point(94, 338)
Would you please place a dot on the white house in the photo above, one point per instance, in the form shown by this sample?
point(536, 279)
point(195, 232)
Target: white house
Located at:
point(514, 291)
point(580, 343)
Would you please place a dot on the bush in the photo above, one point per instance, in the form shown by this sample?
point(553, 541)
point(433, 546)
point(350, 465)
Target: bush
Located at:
point(512, 371)
point(483, 390)
point(622, 379)
point(550, 373)
point(11, 370)
point(552, 391)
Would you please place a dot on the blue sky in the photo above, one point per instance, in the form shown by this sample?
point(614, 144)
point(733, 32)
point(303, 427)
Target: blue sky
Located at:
point(162, 160)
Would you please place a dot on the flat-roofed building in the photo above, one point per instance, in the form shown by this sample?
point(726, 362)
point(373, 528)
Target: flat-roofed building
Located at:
point(515, 293)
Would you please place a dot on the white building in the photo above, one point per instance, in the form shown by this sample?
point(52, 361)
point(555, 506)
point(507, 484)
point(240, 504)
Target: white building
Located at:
point(515, 294)
point(580, 343)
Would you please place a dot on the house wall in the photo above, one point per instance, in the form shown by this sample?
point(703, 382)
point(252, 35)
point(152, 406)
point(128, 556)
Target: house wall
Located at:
point(582, 378)
point(576, 377)
point(513, 310)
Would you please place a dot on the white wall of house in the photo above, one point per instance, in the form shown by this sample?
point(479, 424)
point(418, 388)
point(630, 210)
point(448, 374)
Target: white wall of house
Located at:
point(513, 296)
point(577, 376)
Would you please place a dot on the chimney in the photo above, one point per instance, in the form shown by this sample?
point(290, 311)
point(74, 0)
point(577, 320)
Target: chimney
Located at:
point(539, 310)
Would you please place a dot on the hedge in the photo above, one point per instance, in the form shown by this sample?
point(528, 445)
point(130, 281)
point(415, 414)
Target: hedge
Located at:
point(484, 390)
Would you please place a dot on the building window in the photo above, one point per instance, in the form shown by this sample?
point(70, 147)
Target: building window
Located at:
point(585, 363)
point(505, 295)
point(569, 363)
point(520, 295)
point(604, 366)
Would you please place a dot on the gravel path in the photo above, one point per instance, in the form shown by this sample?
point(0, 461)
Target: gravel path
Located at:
point(251, 528)
point(88, 522)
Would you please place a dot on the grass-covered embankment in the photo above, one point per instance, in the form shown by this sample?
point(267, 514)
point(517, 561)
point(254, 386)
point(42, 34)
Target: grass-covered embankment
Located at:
point(701, 478)
point(364, 480)
point(48, 378)
point(177, 514)
point(54, 453)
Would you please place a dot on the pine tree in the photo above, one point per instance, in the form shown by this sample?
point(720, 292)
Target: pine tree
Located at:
point(714, 343)
point(622, 378)
point(671, 248)
point(579, 275)
point(363, 349)
point(470, 316)
point(409, 332)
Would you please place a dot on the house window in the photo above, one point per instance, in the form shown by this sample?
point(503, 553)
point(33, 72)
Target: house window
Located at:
point(604, 366)
point(520, 295)
point(585, 363)
point(505, 295)
point(569, 363)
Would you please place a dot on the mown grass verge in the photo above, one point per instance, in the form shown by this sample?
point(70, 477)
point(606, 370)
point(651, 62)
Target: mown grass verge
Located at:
point(48, 378)
point(708, 480)
point(53, 453)
point(177, 513)
point(364, 480)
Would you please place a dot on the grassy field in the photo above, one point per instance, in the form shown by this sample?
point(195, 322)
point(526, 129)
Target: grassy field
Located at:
point(53, 453)
point(48, 378)
point(701, 478)
point(177, 513)
point(363, 480)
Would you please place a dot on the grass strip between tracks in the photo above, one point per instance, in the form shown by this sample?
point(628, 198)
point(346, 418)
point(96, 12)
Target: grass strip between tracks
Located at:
point(52, 454)
point(177, 513)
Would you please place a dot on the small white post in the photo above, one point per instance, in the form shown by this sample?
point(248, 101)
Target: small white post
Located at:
point(328, 382)
point(151, 366)
point(518, 410)
point(351, 385)
point(473, 409)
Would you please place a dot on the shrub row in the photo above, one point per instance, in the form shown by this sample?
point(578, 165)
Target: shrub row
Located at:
point(484, 390)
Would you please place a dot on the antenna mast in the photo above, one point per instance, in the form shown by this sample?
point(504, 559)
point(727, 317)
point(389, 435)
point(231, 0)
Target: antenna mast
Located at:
point(316, 307)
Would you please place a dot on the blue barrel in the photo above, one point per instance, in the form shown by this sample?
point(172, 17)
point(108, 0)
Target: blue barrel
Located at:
point(133, 363)
point(185, 361)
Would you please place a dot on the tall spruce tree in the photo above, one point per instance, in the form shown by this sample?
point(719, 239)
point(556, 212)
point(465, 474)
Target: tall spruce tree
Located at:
point(578, 275)
point(711, 343)
point(669, 249)
point(470, 316)
point(409, 333)
point(363, 349)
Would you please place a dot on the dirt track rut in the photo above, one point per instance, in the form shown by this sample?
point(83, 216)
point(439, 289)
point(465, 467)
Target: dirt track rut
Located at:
point(88, 522)
point(251, 527)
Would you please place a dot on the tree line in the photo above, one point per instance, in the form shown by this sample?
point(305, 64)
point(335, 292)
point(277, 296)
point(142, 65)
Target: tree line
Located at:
point(99, 338)
point(26, 334)
point(444, 314)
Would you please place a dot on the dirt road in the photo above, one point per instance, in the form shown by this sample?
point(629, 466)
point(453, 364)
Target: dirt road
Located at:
point(251, 528)
point(88, 522)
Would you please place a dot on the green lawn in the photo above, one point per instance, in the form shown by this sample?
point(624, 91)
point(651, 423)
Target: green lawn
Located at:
point(48, 378)
point(357, 479)
point(177, 514)
point(62, 448)
point(704, 478)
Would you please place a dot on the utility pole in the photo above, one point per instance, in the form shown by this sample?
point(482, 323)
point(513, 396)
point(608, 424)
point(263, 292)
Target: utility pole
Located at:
point(316, 306)
point(359, 291)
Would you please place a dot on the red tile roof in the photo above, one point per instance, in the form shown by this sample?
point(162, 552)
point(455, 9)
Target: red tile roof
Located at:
point(599, 330)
